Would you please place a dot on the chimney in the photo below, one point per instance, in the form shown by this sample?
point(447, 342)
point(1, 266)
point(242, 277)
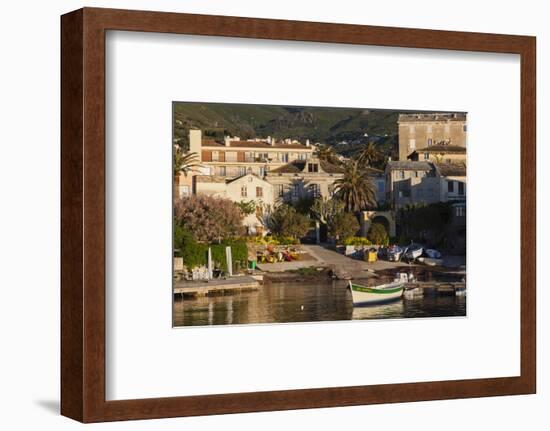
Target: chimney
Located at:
point(307, 143)
point(227, 140)
point(195, 142)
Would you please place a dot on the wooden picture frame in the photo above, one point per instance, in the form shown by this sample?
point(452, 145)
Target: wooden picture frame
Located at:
point(83, 335)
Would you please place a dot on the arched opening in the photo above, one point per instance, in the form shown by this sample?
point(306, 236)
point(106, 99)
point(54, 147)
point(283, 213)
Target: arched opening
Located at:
point(383, 221)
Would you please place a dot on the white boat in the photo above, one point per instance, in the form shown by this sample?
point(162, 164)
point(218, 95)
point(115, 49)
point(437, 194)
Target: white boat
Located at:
point(394, 253)
point(365, 295)
point(414, 251)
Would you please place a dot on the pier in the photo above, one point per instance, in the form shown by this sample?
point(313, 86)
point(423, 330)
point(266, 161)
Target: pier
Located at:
point(217, 286)
point(420, 287)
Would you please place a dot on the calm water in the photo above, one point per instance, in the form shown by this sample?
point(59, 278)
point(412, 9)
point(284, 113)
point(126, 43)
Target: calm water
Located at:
point(305, 302)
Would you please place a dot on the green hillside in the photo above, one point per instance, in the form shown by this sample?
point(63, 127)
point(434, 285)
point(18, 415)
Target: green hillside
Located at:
point(325, 125)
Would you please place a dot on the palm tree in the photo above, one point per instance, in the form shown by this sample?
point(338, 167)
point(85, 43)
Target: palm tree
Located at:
point(326, 153)
point(185, 163)
point(355, 189)
point(369, 154)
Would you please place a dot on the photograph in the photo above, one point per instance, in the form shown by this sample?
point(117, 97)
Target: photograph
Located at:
point(308, 214)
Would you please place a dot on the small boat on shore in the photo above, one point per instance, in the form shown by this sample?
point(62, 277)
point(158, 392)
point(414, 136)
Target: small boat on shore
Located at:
point(365, 295)
point(413, 251)
point(433, 254)
point(394, 253)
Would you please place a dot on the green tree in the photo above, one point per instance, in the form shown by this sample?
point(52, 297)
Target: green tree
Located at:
point(369, 155)
point(355, 189)
point(327, 153)
point(377, 234)
point(286, 221)
point(342, 226)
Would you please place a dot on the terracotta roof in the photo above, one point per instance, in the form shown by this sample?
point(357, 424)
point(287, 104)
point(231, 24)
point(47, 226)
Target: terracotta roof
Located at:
point(442, 149)
point(243, 176)
point(435, 116)
point(329, 168)
point(409, 166)
point(294, 167)
point(211, 143)
point(209, 179)
point(255, 144)
point(451, 169)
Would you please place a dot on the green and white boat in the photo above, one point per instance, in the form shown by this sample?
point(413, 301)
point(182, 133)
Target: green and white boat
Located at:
point(365, 295)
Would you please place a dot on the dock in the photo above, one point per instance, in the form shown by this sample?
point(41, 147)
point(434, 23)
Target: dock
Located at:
point(217, 286)
point(419, 287)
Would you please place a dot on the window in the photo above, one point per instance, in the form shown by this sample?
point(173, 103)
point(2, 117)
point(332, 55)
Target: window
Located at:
point(450, 186)
point(222, 171)
point(215, 156)
point(315, 190)
point(402, 175)
point(259, 192)
point(280, 190)
point(412, 144)
point(460, 211)
point(464, 128)
point(241, 170)
point(295, 190)
point(244, 191)
point(284, 157)
point(262, 171)
point(430, 142)
point(301, 156)
point(461, 189)
point(426, 156)
point(429, 130)
point(313, 167)
point(231, 156)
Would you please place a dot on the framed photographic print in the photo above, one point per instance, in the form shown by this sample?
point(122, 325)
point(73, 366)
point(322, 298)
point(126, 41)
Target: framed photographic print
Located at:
point(268, 215)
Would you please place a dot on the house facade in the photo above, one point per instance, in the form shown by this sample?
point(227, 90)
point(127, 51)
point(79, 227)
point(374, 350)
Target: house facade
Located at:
point(440, 154)
point(246, 188)
point(425, 130)
point(304, 178)
point(234, 157)
point(423, 182)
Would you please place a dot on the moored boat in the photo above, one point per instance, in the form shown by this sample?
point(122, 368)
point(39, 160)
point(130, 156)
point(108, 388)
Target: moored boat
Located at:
point(394, 253)
point(366, 295)
point(413, 251)
point(433, 254)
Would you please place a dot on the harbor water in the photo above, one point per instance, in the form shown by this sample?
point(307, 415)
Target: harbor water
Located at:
point(310, 301)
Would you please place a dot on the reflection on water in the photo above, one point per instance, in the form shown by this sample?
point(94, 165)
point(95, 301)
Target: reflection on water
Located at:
point(305, 302)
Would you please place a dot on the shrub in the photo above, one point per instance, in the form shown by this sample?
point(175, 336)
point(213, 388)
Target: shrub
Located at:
point(285, 240)
point(239, 253)
point(285, 221)
point(195, 254)
point(357, 240)
point(209, 218)
point(342, 225)
point(377, 234)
